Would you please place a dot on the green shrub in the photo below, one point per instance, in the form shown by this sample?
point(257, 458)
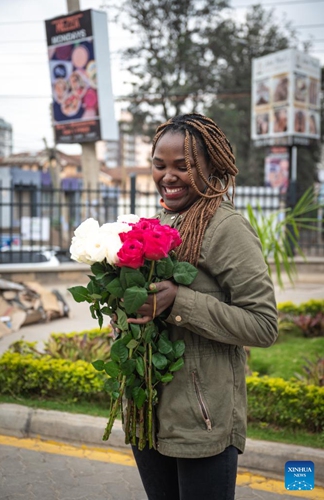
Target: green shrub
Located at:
point(50, 378)
point(86, 345)
point(308, 317)
point(290, 404)
point(311, 307)
point(312, 372)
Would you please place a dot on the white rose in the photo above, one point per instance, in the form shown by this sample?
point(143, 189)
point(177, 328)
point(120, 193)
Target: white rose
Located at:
point(115, 228)
point(78, 252)
point(87, 227)
point(128, 218)
point(113, 246)
point(95, 247)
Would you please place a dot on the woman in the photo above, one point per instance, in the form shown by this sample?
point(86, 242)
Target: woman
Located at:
point(201, 414)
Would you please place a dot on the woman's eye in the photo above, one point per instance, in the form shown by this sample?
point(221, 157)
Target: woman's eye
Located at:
point(158, 167)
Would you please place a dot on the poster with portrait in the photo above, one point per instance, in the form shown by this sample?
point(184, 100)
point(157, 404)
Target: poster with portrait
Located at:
point(285, 99)
point(83, 107)
point(276, 169)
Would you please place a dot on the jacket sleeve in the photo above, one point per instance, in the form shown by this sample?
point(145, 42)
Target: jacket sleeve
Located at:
point(235, 260)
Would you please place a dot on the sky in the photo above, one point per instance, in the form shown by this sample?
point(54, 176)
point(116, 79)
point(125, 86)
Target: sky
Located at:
point(25, 88)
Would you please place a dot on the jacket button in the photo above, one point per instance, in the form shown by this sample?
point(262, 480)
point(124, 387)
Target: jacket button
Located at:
point(178, 318)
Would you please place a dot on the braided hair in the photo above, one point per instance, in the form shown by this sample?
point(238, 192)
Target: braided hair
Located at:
point(201, 132)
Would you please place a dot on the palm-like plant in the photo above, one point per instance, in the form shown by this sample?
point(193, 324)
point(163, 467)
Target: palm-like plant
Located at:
point(279, 233)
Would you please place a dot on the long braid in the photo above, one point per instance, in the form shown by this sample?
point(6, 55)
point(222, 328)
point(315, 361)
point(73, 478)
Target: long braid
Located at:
point(201, 131)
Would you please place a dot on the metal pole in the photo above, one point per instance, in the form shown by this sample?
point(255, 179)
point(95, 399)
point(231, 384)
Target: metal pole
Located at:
point(132, 193)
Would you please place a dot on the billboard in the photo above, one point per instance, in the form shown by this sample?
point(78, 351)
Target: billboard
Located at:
point(285, 98)
point(79, 63)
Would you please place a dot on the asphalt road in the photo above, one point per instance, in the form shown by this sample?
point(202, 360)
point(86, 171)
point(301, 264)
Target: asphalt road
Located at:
point(37, 470)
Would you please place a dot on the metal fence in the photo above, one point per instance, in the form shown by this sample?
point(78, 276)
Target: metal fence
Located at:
point(37, 223)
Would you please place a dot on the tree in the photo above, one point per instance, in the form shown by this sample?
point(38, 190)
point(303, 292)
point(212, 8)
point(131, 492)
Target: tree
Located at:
point(171, 62)
point(257, 36)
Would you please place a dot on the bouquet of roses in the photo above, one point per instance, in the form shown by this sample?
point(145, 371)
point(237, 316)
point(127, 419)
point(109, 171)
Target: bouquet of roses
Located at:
point(127, 257)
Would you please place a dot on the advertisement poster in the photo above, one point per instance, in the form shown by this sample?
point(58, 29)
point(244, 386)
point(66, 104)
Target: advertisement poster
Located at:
point(80, 77)
point(285, 98)
point(276, 169)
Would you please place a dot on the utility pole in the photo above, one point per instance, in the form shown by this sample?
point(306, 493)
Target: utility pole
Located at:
point(90, 164)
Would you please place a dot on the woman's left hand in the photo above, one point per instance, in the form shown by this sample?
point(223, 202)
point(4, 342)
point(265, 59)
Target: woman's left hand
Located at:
point(163, 296)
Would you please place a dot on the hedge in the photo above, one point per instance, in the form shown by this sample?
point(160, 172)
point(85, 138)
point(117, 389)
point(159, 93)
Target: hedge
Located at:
point(291, 404)
point(311, 307)
point(49, 377)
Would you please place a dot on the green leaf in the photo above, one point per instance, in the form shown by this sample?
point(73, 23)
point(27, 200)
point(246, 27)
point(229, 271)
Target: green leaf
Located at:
point(149, 331)
point(131, 277)
point(167, 378)
point(119, 351)
point(80, 293)
point(94, 288)
point(99, 365)
point(184, 273)
point(140, 366)
point(111, 385)
point(134, 298)
point(126, 338)
point(132, 344)
point(136, 330)
point(164, 268)
point(159, 361)
point(115, 288)
point(106, 310)
point(93, 311)
point(178, 348)
point(100, 318)
point(112, 369)
point(164, 345)
point(128, 367)
point(121, 320)
point(174, 367)
point(139, 396)
point(97, 269)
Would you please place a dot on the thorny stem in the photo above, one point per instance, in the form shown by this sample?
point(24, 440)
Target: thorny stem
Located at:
point(142, 438)
point(114, 410)
point(150, 398)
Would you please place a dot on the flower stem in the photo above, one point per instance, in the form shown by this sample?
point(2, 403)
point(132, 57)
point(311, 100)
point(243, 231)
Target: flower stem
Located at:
point(142, 437)
point(150, 398)
point(114, 410)
point(151, 271)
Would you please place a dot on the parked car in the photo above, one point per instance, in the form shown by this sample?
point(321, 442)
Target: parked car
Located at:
point(14, 256)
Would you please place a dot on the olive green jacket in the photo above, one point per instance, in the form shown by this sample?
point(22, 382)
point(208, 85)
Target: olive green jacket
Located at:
point(229, 305)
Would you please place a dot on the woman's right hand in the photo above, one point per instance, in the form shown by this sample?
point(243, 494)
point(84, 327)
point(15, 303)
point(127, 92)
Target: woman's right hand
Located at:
point(165, 293)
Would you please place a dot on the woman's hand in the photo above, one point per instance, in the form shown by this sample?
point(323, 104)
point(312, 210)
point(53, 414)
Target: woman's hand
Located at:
point(163, 296)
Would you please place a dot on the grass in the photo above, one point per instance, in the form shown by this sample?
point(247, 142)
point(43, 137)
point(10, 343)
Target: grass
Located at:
point(266, 432)
point(261, 431)
point(287, 356)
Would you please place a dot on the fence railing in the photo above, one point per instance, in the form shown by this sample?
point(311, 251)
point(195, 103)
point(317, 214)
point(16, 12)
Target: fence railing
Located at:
point(37, 223)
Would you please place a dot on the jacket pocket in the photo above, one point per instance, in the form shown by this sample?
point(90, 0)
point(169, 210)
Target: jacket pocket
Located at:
point(201, 402)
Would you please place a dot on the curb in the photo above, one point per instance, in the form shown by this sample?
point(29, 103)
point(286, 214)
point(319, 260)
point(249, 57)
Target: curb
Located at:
point(264, 457)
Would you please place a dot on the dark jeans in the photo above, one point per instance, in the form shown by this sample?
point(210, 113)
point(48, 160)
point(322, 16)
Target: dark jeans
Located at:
point(167, 478)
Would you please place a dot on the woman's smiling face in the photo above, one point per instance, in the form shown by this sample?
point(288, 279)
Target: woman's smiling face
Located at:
point(170, 173)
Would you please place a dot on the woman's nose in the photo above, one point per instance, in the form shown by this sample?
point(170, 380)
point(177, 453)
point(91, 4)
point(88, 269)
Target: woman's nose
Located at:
point(170, 176)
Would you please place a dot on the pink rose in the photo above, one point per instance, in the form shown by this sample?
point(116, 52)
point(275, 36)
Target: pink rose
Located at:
point(146, 223)
point(174, 234)
point(131, 254)
point(157, 244)
point(133, 234)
